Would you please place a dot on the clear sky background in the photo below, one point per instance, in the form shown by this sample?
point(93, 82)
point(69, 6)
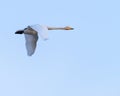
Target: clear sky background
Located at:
point(82, 62)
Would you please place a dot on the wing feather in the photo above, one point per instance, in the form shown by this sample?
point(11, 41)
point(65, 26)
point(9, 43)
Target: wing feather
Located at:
point(42, 30)
point(31, 43)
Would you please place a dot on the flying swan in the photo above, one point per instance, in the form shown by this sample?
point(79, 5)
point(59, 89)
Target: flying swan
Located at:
point(32, 33)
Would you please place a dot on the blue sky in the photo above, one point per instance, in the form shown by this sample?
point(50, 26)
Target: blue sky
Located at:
point(82, 62)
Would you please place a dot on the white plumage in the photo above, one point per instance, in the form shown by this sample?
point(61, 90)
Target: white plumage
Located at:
point(31, 43)
point(42, 30)
point(33, 32)
point(31, 36)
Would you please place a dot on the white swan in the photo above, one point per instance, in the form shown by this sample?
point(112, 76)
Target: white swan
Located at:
point(32, 33)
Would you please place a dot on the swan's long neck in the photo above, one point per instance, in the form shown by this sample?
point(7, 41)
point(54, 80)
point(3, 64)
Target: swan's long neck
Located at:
point(60, 28)
point(55, 28)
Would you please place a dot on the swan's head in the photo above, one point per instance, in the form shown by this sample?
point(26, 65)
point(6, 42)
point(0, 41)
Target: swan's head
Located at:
point(69, 28)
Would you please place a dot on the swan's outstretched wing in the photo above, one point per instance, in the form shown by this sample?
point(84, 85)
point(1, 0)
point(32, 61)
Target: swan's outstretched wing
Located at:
point(42, 30)
point(31, 43)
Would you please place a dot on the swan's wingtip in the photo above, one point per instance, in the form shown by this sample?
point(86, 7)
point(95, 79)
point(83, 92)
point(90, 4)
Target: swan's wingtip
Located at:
point(19, 32)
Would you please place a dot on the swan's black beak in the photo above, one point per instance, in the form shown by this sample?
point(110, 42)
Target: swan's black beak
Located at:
point(72, 28)
point(19, 32)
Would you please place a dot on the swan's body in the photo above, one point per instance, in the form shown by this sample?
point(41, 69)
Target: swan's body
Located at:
point(31, 35)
